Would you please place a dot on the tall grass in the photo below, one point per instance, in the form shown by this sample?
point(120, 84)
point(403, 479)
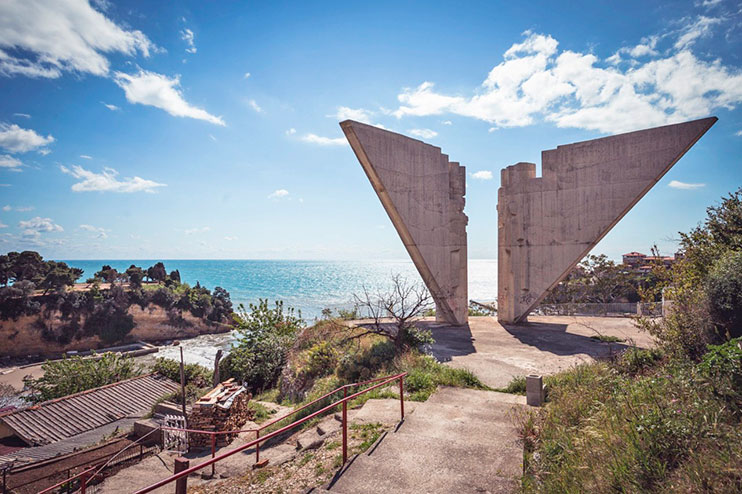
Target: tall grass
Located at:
point(625, 427)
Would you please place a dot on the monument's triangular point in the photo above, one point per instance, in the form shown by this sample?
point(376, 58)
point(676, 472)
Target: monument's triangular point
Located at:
point(547, 224)
point(422, 192)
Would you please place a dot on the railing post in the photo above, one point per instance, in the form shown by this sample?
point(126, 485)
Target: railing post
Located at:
point(257, 446)
point(345, 426)
point(83, 482)
point(213, 454)
point(401, 395)
point(181, 485)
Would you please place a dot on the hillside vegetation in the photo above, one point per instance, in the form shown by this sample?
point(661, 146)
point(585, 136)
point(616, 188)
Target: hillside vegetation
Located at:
point(45, 291)
point(663, 420)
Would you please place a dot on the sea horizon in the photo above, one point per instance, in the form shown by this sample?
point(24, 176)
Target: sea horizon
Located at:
point(306, 285)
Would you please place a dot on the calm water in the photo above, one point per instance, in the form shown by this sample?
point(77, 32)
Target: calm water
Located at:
point(308, 286)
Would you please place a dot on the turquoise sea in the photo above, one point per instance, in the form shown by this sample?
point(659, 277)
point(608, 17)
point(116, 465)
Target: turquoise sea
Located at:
point(309, 286)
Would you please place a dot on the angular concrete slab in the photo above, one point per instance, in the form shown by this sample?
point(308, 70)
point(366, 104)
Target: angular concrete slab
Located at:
point(547, 224)
point(423, 194)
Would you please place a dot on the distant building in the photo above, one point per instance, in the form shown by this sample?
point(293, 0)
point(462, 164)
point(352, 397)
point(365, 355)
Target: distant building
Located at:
point(634, 259)
point(644, 263)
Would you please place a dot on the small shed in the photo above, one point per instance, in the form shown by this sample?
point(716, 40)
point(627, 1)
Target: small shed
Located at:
point(70, 416)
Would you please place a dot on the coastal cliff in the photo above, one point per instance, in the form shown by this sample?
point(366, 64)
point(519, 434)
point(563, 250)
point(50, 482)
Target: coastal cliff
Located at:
point(24, 336)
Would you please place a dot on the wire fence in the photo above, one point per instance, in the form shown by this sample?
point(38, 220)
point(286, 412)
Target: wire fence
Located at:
point(596, 309)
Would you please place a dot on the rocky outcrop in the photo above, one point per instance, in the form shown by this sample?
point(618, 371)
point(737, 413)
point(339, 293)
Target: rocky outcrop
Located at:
point(24, 336)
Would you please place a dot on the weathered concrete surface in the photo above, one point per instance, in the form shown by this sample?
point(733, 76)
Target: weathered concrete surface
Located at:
point(544, 345)
point(460, 440)
point(423, 194)
point(547, 224)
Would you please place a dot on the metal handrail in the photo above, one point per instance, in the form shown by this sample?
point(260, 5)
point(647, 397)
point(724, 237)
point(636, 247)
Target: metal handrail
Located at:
point(262, 427)
point(258, 440)
point(83, 476)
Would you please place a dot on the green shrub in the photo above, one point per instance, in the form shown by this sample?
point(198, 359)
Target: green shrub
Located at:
point(516, 386)
point(419, 380)
point(724, 291)
point(356, 367)
point(722, 366)
point(75, 374)
point(257, 367)
point(414, 337)
point(637, 360)
point(321, 360)
point(195, 374)
point(261, 321)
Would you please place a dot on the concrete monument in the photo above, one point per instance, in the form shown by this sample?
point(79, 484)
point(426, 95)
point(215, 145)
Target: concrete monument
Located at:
point(547, 224)
point(423, 194)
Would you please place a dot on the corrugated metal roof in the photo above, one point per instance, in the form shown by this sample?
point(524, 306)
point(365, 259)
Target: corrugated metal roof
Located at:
point(62, 418)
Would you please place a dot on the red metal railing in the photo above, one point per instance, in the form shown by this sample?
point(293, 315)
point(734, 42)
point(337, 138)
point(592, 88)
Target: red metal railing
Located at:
point(383, 381)
point(84, 476)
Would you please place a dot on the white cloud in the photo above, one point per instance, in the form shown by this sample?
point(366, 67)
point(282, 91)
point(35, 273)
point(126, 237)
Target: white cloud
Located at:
point(291, 131)
point(19, 140)
point(22, 115)
point(107, 181)
point(160, 91)
point(645, 48)
point(9, 162)
point(247, 75)
point(738, 133)
point(110, 107)
point(700, 28)
point(675, 184)
point(278, 194)
point(537, 82)
point(324, 141)
point(230, 239)
point(21, 209)
point(482, 175)
point(212, 137)
point(86, 157)
point(423, 133)
point(254, 105)
point(447, 122)
point(34, 227)
point(191, 231)
point(357, 114)
point(492, 129)
point(3, 225)
point(52, 36)
point(187, 36)
point(99, 232)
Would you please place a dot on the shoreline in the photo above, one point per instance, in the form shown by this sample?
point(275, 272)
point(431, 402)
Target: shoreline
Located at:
point(13, 369)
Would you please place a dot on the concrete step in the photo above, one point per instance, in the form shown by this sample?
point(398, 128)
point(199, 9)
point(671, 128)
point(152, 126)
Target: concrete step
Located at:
point(460, 440)
point(472, 398)
point(372, 475)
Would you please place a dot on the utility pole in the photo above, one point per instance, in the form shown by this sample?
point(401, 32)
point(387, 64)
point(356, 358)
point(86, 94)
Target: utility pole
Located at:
point(182, 384)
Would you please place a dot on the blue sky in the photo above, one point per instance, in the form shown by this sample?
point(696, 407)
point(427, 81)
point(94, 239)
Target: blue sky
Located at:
point(205, 129)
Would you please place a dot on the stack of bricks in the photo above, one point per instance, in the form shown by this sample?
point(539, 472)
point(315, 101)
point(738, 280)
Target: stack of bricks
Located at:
point(224, 408)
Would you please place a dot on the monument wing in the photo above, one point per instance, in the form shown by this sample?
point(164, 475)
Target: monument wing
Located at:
point(422, 192)
point(547, 224)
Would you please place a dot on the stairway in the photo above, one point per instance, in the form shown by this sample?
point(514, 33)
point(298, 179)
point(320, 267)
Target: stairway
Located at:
point(460, 440)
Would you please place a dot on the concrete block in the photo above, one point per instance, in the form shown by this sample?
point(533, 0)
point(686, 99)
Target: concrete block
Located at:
point(546, 225)
point(423, 194)
point(534, 390)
